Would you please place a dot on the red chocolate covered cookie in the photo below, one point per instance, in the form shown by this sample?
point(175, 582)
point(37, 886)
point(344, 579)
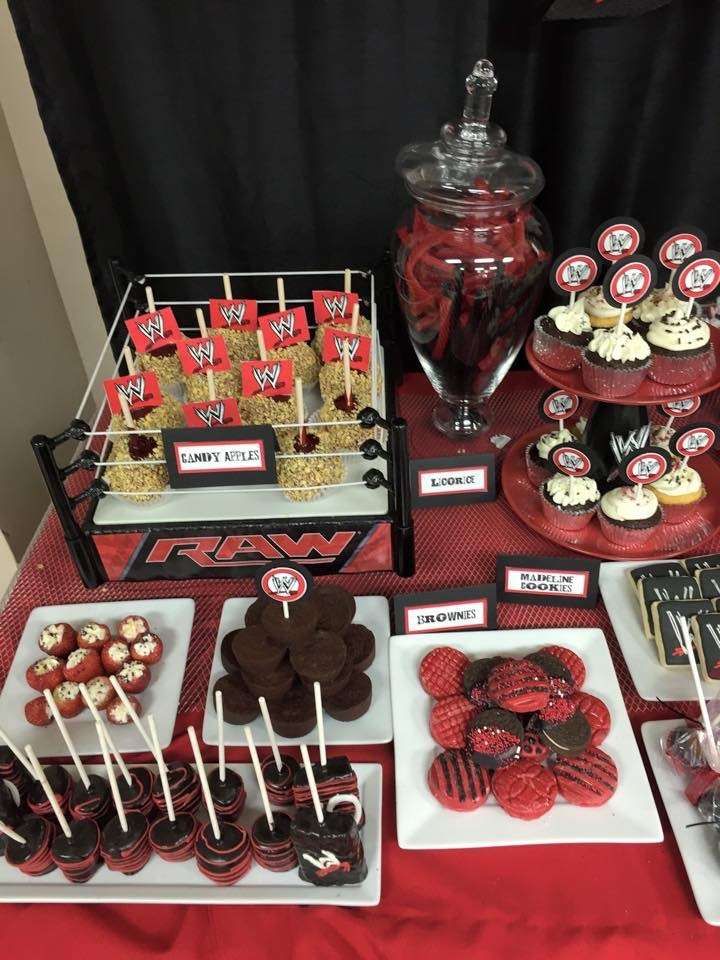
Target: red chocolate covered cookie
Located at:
point(571, 660)
point(441, 672)
point(588, 780)
point(525, 789)
point(596, 714)
point(519, 685)
point(456, 783)
point(449, 721)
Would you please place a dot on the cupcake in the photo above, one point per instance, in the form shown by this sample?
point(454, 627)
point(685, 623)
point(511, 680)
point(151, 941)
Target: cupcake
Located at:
point(681, 350)
point(627, 518)
point(599, 312)
point(537, 454)
point(560, 336)
point(615, 362)
point(569, 502)
point(679, 492)
point(661, 303)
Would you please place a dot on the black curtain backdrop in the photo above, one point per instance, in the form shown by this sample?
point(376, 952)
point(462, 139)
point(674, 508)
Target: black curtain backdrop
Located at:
point(200, 135)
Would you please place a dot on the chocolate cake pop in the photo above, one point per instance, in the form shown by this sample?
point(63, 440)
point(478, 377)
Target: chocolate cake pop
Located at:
point(184, 788)
point(14, 772)
point(171, 836)
point(93, 802)
point(78, 856)
point(61, 783)
point(227, 789)
point(137, 796)
point(279, 783)
point(32, 857)
point(126, 850)
point(272, 846)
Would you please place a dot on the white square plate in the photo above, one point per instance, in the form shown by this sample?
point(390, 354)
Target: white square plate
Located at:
point(374, 727)
point(171, 619)
point(652, 680)
point(699, 845)
point(628, 817)
point(162, 882)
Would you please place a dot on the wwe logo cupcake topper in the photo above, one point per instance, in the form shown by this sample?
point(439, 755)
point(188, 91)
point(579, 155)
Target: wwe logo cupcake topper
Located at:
point(574, 271)
point(646, 465)
point(674, 247)
point(618, 237)
point(684, 407)
point(627, 283)
point(698, 277)
point(574, 460)
point(694, 441)
point(284, 583)
point(559, 405)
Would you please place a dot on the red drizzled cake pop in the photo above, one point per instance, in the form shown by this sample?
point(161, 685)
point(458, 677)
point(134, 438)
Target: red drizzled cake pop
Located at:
point(14, 772)
point(171, 836)
point(78, 856)
point(226, 786)
point(9, 813)
point(137, 796)
point(279, 783)
point(184, 788)
point(32, 857)
point(126, 850)
point(61, 783)
point(272, 846)
point(93, 802)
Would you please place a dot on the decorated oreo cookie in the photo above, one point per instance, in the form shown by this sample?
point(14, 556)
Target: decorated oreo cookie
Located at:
point(456, 782)
point(519, 685)
point(495, 738)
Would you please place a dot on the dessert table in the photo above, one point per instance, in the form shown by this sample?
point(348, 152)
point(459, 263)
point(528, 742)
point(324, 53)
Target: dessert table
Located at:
point(616, 901)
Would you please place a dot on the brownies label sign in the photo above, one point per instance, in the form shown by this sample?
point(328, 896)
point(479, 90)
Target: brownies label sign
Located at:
point(234, 457)
point(574, 271)
point(284, 329)
point(630, 281)
point(698, 277)
point(202, 354)
point(358, 348)
point(550, 581)
point(333, 306)
point(151, 331)
point(617, 238)
point(271, 378)
point(233, 315)
point(465, 608)
point(212, 413)
point(141, 390)
point(284, 583)
point(451, 481)
point(675, 246)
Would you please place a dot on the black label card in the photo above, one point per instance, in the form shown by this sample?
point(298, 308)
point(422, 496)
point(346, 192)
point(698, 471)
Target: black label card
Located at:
point(666, 627)
point(708, 580)
point(706, 627)
point(452, 481)
point(701, 563)
point(548, 581)
point(465, 608)
point(672, 569)
point(233, 456)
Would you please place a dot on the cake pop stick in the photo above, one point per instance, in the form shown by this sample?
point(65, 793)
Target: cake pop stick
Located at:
point(210, 806)
point(346, 371)
point(9, 832)
point(82, 773)
point(270, 732)
point(220, 734)
point(162, 769)
point(259, 777)
point(127, 703)
point(119, 809)
point(11, 745)
point(49, 792)
point(320, 722)
point(99, 720)
point(281, 293)
point(311, 783)
point(150, 299)
point(227, 288)
point(712, 754)
point(208, 373)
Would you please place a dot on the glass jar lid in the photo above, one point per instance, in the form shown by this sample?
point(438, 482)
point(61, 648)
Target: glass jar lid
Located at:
point(469, 167)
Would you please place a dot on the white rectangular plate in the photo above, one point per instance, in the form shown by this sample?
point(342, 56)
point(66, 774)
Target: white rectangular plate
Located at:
point(652, 680)
point(162, 882)
point(171, 619)
point(628, 817)
point(374, 727)
point(699, 845)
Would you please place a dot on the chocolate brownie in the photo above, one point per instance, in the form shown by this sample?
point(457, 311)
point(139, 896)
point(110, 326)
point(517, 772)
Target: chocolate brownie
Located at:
point(255, 652)
point(336, 607)
point(254, 611)
point(239, 705)
point(353, 700)
point(361, 645)
point(322, 660)
point(227, 657)
point(272, 685)
point(298, 627)
point(294, 714)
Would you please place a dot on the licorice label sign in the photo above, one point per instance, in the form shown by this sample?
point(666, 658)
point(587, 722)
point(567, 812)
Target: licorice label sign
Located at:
point(549, 581)
point(237, 456)
point(466, 608)
point(452, 481)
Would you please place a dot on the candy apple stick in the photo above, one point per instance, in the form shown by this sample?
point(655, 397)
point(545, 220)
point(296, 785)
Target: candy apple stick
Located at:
point(132, 711)
point(320, 722)
point(208, 373)
point(311, 783)
point(281, 293)
point(300, 408)
point(346, 370)
point(19, 755)
point(112, 780)
point(270, 732)
point(99, 720)
point(129, 361)
point(220, 734)
point(227, 287)
point(9, 832)
point(212, 815)
point(261, 344)
point(150, 299)
point(126, 412)
point(259, 777)
point(162, 770)
point(348, 280)
point(64, 732)
point(49, 792)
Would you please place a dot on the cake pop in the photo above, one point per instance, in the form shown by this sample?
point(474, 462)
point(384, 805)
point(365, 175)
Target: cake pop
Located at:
point(271, 842)
point(171, 836)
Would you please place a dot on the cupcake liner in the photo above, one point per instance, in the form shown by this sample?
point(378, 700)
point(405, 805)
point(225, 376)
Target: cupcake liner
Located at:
point(612, 382)
point(564, 519)
point(536, 474)
point(680, 512)
point(553, 351)
point(681, 369)
point(623, 535)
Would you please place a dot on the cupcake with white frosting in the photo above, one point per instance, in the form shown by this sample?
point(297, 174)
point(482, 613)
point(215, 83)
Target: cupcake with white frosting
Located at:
point(615, 362)
point(560, 336)
point(661, 303)
point(681, 349)
point(600, 313)
point(679, 492)
point(629, 515)
point(569, 502)
point(537, 454)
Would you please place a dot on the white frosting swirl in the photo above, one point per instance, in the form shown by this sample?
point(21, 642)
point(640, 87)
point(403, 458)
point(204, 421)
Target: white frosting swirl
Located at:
point(679, 482)
point(571, 491)
point(659, 304)
point(678, 332)
point(624, 503)
point(549, 440)
point(622, 345)
point(596, 304)
point(571, 319)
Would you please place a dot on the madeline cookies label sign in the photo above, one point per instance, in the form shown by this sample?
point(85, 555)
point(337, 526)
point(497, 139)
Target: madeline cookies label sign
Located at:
point(551, 581)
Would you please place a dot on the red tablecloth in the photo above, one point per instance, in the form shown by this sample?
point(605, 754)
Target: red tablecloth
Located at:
point(561, 901)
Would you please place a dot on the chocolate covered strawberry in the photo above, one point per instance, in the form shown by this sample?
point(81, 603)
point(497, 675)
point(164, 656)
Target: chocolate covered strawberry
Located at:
point(45, 674)
point(114, 655)
point(82, 665)
point(148, 649)
point(68, 698)
point(37, 712)
point(134, 676)
point(132, 628)
point(58, 639)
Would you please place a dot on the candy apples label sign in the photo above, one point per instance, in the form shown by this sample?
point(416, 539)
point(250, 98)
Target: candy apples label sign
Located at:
point(574, 271)
point(358, 348)
point(285, 583)
point(684, 407)
point(333, 306)
point(559, 405)
point(150, 331)
point(212, 413)
point(141, 390)
point(629, 281)
point(696, 440)
point(233, 315)
point(698, 277)
point(271, 378)
point(646, 466)
point(233, 456)
point(618, 238)
point(674, 247)
point(202, 354)
point(572, 461)
point(285, 328)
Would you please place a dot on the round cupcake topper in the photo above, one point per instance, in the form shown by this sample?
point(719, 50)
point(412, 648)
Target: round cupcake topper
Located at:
point(674, 247)
point(644, 466)
point(284, 583)
point(698, 276)
point(618, 237)
point(684, 407)
point(694, 440)
point(573, 459)
point(559, 405)
point(574, 271)
point(629, 281)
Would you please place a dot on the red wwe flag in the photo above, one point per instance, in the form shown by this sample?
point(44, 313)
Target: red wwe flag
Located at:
point(358, 348)
point(271, 378)
point(202, 354)
point(150, 331)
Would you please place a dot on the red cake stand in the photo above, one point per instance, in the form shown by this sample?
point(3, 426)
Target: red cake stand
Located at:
point(669, 540)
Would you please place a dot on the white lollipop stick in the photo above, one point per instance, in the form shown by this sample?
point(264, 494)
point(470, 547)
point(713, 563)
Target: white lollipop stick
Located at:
point(348, 280)
point(67, 738)
point(220, 734)
point(49, 792)
point(9, 832)
point(281, 293)
point(99, 720)
point(204, 783)
point(150, 299)
point(226, 287)
point(132, 711)
point(259, 777)
point(18, 753)
point(112, 780)
point(320, 722)
point(162, 770)
point(311, 783)
point(129, 360)
point(270, 732)
point(687, 643)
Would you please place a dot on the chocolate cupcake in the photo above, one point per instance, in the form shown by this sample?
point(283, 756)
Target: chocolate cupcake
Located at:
point(628, 518)
point(561, 335)
point(569, 502)
point(615, 363)
point(537, 454)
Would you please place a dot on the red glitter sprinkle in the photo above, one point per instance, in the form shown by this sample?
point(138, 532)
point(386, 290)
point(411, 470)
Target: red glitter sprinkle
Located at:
point(558, 710)
point(492, 740)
